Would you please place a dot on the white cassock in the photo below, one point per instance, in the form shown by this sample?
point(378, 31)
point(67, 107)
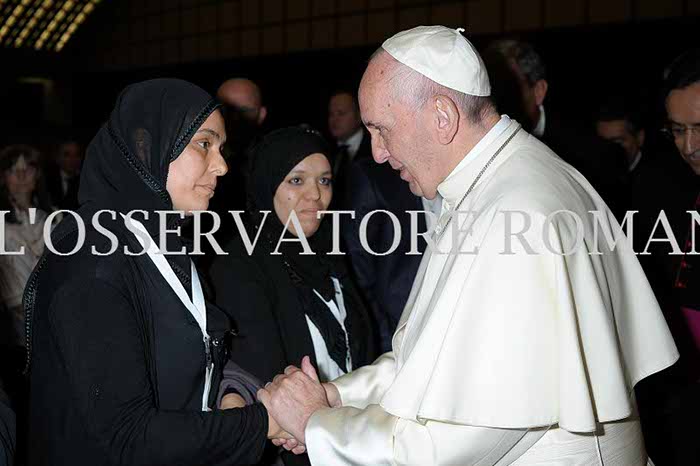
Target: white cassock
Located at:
point(522, 359)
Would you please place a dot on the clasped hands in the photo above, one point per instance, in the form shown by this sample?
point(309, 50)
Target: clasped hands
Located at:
point(291, 398)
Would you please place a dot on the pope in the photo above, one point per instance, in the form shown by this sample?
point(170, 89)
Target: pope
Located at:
point(514, 349)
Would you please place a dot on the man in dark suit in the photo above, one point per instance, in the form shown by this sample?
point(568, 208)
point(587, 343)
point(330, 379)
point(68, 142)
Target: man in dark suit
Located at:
point(655, 178)
point(363, 186)
point(64, 177)
point(245, 116)
point(385, 280)
point(353, 141)
point(619, 123)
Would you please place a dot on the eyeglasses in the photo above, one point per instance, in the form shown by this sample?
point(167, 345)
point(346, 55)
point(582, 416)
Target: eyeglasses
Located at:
point(675, 132)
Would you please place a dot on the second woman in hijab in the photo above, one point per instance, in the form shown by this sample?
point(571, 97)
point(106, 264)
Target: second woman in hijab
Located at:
point(287, 304)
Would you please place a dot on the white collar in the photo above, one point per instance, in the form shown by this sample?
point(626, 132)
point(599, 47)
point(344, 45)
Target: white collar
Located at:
point(491, 136)
point(541, 123)
point(449, 190)
point(635, 162)
point(353, 142)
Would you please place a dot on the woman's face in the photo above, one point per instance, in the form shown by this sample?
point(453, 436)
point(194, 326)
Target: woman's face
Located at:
point(192, 176)
point(21, 178)
point(305, 190)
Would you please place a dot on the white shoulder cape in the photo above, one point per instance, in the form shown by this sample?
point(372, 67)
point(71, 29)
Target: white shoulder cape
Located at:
point(525, 340)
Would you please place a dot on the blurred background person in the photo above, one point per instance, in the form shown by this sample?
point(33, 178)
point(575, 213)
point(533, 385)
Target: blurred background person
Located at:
point(244, 112)
point(352, 140)
point(656, 180)
point(618, 123)
point(520, 87)
point(64, 175)
point(290, 304)
point(245, 116)
point(385, 280)
point(21, 189)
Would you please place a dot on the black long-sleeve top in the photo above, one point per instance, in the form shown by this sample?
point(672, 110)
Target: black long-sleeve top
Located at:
point(8, 427)
point(258, 293)
point(118, 368)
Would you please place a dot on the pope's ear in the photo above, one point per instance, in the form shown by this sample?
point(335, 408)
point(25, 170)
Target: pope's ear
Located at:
point(446, 118)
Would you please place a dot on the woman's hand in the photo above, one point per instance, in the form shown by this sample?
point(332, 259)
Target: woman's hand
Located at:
point(274, 430)
point(290, 445)
point(232, 400)
point(282, 438)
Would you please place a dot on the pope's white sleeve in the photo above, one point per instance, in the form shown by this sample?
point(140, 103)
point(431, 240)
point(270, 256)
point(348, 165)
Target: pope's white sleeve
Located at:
point(351, 436)
point(366, 385)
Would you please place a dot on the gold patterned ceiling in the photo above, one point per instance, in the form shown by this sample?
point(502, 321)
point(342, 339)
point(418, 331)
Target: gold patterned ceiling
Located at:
point(42, 24)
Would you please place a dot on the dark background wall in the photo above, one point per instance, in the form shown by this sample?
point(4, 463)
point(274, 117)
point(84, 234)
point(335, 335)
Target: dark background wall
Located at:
point(300, 50)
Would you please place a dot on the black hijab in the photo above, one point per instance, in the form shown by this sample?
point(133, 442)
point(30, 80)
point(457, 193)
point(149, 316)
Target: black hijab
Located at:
point(272, 158)
point(126, 164)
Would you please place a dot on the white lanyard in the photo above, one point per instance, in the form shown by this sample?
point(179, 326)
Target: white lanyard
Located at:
point(195, 305)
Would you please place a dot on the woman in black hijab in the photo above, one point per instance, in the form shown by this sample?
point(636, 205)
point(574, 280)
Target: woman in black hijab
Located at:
point(122, 350)
point(286, 304)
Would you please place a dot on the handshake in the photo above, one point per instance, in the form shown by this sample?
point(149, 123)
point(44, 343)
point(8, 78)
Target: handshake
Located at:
point(291, 398)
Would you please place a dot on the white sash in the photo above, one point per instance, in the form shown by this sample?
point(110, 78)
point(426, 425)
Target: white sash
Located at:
point(196, 305)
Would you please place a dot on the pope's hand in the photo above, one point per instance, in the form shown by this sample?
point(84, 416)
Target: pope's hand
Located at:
point(332, 394)
point(293, 397)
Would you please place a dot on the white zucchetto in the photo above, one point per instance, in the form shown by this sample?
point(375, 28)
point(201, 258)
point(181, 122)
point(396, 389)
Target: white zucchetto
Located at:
point(443, 55)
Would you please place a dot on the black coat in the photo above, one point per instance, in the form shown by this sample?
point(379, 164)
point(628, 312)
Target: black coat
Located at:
point(344, 182)
point(54, 185)
point(117, 363)
point(259, 295)
point(118, 368)
point(7, 430)
point(385, 281)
